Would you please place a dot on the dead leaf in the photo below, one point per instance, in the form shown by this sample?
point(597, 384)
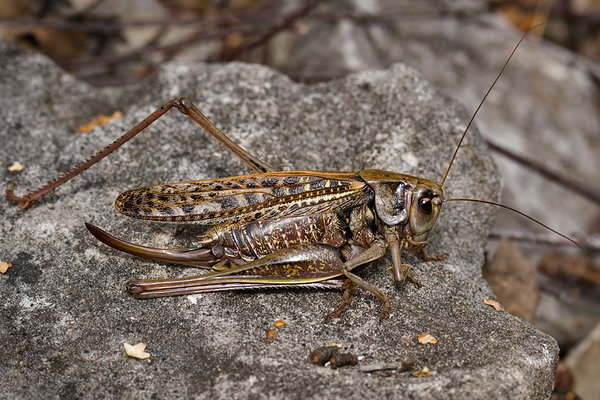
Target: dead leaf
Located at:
point(16, 166)
point(272, 334)
point(4, 266)
point(136, 351)
point(497, 306)
point(422, 373)
point(279, 324)
point(99, 120)
point(425, 338)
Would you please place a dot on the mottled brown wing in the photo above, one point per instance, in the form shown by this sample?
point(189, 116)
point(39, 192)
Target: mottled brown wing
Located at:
point(245, 198)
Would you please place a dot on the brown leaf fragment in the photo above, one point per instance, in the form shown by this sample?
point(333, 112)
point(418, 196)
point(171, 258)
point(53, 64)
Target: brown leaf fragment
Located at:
point(136, 351)
point(99, 120)
point(279, 324)
point(16, 166)
point(497, 306)
point(272, 334)
point(4, 266)
point(425, 338)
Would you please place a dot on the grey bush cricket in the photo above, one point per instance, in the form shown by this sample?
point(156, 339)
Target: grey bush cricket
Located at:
point(276, 229)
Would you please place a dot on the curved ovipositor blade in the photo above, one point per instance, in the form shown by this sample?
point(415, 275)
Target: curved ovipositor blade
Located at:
point(198, 257)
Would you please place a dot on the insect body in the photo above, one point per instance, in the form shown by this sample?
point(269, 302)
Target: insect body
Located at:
point(285, 228)
point(277, 229)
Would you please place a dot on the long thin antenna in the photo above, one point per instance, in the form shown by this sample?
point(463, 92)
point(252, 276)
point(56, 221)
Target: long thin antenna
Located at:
point(520, 213)
point(483, 100)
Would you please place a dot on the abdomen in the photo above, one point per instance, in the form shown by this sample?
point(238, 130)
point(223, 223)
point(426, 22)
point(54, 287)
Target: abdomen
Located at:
point(259, 238)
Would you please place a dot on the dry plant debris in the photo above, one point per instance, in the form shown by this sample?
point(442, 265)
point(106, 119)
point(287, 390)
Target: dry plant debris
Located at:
point(425, 338)
point(16, 166)
point(497, 306)
point(422, 373)
point(99, 121)
point(272, 334)
point(4, 266)
point(136, 351)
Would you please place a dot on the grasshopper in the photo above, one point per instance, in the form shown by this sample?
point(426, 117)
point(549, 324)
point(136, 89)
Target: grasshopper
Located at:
point(275, 229)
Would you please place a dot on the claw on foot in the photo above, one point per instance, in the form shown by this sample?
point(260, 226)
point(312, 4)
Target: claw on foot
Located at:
point(10, 193)
point(405, 275)
point(349, 288)
point(387, 306)
point(24, 201)
point(414, 281)
point(426, 257)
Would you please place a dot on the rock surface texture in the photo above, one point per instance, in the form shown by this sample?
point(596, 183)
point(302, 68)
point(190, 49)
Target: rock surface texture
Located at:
point(65, 313)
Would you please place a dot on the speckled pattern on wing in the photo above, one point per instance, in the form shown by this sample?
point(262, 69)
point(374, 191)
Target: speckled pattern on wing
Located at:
point(244, 198)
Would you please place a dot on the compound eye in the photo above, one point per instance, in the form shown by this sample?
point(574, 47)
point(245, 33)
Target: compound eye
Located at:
point(425, 205)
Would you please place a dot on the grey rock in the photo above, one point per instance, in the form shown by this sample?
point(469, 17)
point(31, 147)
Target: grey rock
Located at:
point(65, 313)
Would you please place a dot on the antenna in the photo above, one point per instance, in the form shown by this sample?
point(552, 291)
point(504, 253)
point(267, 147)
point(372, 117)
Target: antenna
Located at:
point(493, 203)
point(483, 100)
point(463, 137)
